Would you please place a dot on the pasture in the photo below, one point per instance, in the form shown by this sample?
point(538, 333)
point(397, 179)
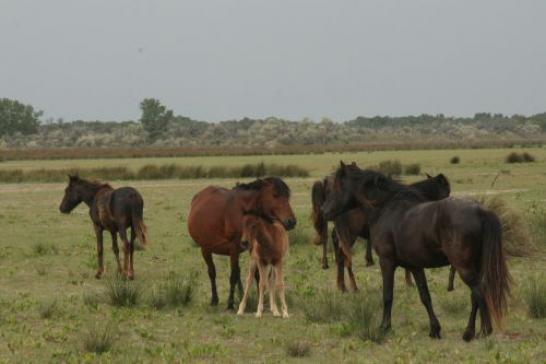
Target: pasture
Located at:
point(52, 307)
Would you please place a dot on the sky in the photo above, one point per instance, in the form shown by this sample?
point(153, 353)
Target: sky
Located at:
point(219, 60)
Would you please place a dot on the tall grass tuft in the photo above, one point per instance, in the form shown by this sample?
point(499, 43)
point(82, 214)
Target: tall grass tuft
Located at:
point(122, 292)
point(98, 339)
point(175, 292)
point(298, 349)
point(362, 317)
point(41, 249)
point(515, 231)
point(48, 309)
point(535, 296)
point(326, 306)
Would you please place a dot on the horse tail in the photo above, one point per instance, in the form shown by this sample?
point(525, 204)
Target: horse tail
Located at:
point(137, 223)
point(318, 195)
point(494, 276)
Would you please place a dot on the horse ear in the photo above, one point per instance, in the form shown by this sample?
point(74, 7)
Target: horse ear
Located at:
point(353, 164)
point(443, 179)
point(73, 178)
point(428, 175)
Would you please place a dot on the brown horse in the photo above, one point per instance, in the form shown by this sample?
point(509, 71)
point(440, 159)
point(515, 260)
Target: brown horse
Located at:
point(352, 224)
point(268, 242)
point(110, 209)
point(215, 221)
point(410, 232)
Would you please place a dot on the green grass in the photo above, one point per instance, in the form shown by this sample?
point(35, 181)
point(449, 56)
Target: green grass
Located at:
point(197, 332)
point(535, 296)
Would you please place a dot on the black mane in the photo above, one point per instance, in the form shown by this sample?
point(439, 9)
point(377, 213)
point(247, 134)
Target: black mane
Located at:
point(280, 187)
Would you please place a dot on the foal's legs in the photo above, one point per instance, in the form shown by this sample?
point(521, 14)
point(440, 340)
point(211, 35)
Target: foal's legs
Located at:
point(126, 251)
point(261, 289)
point(387, 271)
point(450, 286)
point(280, 288)
point(421, 281)
point(272, 292)
point(325, 252)
point(251, 273)
point(207, 255)
point(115, 249)
point(131, 273)
point(100, 250)
point(234, 278)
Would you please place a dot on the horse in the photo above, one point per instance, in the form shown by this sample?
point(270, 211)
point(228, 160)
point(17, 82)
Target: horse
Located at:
point(410, 232)
point(216, 216)
point(268, 243)
point(352, 224)
point(110, 209)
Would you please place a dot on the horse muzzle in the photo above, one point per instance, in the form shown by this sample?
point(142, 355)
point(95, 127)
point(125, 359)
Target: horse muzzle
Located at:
point(289, 224)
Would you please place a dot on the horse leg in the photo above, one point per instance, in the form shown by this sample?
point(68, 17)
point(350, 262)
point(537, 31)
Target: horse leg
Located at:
point(115, 249)
point(450, 286)
point(251, 272)
point(387, 271)
point(100, 250)
point(340, 262)
point(369, 256)
point(471, 278)
point(207, 255)
point(352, 277)
point(272, 292)
point(325, 253)
point(234, 278)
point(421, 281)
point(131, 253)
point(280, 288)
point(261, 290)
point(126, 251)
point(409, 283)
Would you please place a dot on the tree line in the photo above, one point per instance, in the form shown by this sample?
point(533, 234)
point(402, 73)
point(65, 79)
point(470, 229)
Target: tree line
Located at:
point(21, 127)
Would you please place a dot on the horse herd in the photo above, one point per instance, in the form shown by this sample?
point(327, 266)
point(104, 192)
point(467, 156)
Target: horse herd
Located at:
point(414, 226)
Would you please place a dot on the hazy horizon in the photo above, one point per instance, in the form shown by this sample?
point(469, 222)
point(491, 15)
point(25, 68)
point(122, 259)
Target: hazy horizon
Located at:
point(215, 60)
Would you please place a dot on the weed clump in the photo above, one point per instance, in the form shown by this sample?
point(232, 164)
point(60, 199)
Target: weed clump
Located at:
point(298, 349)
point(41, 249)
point(98, 340)
point(535, 296)
point(122, 292)
point(175, 292)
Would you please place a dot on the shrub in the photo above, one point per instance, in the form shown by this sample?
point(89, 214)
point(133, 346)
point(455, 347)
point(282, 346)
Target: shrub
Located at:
point(98, 340)
point(535, 296)
point(298, 349)
point(413, 169)
point(122, 292)
point(455, 160)
point(527, 157)
point(390, 168)
point(515, 157)
point(515, 231)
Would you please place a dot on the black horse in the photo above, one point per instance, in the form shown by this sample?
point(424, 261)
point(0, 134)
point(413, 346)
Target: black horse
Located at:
point(110, 209)
point(352, 224)
point(407, 231)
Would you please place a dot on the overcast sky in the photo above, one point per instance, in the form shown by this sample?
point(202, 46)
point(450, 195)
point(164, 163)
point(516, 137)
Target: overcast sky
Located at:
point(217, 60)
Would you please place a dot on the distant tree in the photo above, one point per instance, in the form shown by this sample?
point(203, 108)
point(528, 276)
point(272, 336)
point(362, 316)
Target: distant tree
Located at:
point(155, 117)
point(16, 117)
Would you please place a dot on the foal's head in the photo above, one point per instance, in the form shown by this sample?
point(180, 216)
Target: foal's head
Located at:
point(434, 188)
point(78, 190)
point(272, 200)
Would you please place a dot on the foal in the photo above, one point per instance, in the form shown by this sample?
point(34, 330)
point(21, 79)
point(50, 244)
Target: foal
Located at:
point(268, 243)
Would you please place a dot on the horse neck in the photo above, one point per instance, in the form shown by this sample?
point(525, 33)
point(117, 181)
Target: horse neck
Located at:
point(248, 199)
point(90, 191)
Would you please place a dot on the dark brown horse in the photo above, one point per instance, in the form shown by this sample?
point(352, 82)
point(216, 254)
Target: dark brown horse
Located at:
point(409, 232)
point(110, 209)
point(352, 224)
point(215, 221)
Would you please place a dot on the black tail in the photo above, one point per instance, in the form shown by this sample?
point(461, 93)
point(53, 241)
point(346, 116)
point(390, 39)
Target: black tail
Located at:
point(318, 195)
point(494, 275)
point(137, 222)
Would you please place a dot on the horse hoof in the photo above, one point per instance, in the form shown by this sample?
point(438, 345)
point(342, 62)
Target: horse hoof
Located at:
point(369, 264)
point(276, 314)
point(240, 313)
point(468, 335)
point(449, 289)
point(325, 266)
point(285, 315)
point(214, 302)
point(435, 334)
point(258, 315)
point(98, 275)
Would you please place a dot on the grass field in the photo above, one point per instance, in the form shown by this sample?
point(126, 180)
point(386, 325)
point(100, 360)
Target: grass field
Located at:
point(51, 304)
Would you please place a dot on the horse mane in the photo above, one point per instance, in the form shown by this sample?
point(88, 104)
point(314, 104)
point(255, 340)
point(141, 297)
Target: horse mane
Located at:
point(95, 185)
point(431, 188)
point(281, 188)
point(397, 190)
